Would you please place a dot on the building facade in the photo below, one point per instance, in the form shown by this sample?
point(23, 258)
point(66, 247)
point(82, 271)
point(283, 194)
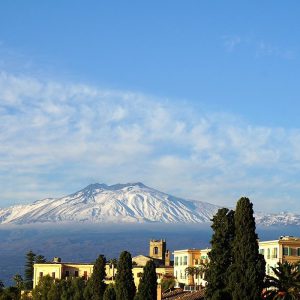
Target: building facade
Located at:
point(184, 259)
point(61, 270)
point(286, 248)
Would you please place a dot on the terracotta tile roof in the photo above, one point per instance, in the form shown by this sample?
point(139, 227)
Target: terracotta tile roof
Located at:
point(181, 295)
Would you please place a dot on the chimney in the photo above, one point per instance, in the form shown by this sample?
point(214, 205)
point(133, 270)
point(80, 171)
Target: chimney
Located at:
point(167, 259)
point(56, 259)
point(159, 292)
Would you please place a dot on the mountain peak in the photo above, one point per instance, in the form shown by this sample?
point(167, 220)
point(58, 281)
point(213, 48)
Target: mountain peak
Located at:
point(113, 187)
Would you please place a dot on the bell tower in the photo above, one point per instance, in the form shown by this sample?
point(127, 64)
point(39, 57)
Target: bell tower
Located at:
point(157, 249)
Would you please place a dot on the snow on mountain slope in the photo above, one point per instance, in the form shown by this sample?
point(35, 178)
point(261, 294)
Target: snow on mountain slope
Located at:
point(124, 203)
point(118, 203)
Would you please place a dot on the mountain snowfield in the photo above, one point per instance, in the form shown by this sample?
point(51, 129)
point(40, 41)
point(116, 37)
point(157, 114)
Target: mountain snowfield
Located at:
point(124, 203)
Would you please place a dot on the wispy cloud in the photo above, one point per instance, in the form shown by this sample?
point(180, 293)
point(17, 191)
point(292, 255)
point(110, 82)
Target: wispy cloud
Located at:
point(231, 42)
point(258, 47)
point(56, 137)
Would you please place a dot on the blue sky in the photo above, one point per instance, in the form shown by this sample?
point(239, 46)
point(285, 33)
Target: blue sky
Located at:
point(196, 98)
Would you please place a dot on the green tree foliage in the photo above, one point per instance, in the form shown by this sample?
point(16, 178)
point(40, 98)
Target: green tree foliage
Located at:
point(39, 259)
point(19, 283)
point(65, 289)
point(40, 292)
point(88, 291)
point(285, 285)
point(220, 256)
point(192, 272)
point(10, 293)
point(125, 288)
point(148, 284)
point(167, 283)
point(113, 264)
point(110, 293)
point(78, 286)
point(97, 278)
point(30, 259)
point(248, 268)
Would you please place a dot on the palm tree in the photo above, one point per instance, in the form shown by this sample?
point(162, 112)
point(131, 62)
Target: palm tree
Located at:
point(191, 272)
point(19, 281)
point(285, 285)
point(113, 263)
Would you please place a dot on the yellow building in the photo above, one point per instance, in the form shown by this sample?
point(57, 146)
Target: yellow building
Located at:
point(184, 259)
point(286, 248)
point(61, 270)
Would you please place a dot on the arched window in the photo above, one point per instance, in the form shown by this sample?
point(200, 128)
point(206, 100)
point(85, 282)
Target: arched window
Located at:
point(155, 250)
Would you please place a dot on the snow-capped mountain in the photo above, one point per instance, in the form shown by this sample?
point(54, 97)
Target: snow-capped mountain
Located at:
point(124, 203)
point(118, 203)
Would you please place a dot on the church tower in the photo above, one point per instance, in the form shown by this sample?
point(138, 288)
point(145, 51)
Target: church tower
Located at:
point(157, 249)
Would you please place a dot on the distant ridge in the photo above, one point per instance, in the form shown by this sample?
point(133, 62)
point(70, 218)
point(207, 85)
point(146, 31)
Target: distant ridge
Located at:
point(118, 203)
point(124, 203)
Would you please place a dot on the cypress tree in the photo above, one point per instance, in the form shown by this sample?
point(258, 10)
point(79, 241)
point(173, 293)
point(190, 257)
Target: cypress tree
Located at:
point(98, 277)
point(248, 269)
point(220, 255)
point(88, 293)
point(125, 288)
point(148, 283)
point(78, 286)
point(110, 293)
point(28, 278)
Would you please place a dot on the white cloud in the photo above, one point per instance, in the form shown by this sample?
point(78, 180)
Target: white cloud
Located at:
point(57, 137)
point(260, 48)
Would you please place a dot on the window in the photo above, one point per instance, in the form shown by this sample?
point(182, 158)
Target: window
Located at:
point(41, 274)
point(155, 250)
point(85, 275)
point(181, 261)
point(268, 253)
point(176, 261)
point(67, 273)
point(262, 251)
point(286, 251)
point(275, 253)
point(76, 273)
point(176, 274)
point(298, 251)
point(268, 269)
point(185, 260)
point(53, 275)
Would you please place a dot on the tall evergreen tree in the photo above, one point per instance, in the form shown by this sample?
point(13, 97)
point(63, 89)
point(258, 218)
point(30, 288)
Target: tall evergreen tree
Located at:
point(110, 293)
point(78, 286)
point(148, 283)
point(28, 278)
point(248, 269)
point(220, 255)
point(88, 292)
point(125, 288)
point(97, 278)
